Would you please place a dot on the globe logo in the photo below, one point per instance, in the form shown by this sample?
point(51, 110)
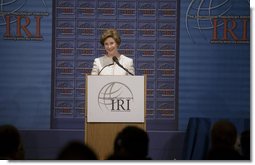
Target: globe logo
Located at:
point(18, 7)
point(115, 97)
point(10, 6)
point(200, 14)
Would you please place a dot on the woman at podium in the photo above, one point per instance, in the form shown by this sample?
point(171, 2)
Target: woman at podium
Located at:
point(112, 63)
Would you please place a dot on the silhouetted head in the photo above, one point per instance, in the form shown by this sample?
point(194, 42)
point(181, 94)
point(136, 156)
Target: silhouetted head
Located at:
point(131, 143)
point(75, 150)
point(245, 143)
point(10, 143)
point(223, 134)
point(223, 139)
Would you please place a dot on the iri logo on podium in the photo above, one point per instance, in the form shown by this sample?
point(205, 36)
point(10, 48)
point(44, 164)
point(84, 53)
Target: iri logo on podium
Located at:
point(115, 97)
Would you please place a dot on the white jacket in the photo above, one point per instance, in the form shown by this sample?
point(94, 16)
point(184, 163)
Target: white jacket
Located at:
point(114, 69)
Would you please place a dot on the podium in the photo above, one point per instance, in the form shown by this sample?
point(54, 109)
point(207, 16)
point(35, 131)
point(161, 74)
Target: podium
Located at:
point(112, 103)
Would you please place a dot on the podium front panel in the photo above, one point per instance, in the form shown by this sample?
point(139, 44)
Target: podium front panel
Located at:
point(115, 98)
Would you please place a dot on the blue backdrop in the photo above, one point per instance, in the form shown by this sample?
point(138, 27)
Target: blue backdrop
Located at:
point(214, 72)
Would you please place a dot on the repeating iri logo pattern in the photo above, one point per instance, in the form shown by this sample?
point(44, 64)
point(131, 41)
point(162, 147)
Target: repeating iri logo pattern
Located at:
point(148, 30)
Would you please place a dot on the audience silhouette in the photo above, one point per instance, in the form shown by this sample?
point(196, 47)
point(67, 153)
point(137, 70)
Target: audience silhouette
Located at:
point(11, 146)
point(223, 139)
point(76, 150)
point(131, 144)
point(245, 144)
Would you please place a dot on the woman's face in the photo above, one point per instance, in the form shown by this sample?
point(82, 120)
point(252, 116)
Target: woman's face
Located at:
point(111, 46)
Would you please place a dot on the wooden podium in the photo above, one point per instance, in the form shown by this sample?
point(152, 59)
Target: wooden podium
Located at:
point(112, 103)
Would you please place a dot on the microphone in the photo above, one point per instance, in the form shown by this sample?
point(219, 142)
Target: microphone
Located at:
point(115, 59)
point(104, 67)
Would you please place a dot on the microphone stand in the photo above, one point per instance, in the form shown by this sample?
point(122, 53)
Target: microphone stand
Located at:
point(104, 67)
point(125, 69)
point(115, 59)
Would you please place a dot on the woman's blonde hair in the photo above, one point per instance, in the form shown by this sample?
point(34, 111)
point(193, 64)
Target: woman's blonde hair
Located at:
point(110, 33)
